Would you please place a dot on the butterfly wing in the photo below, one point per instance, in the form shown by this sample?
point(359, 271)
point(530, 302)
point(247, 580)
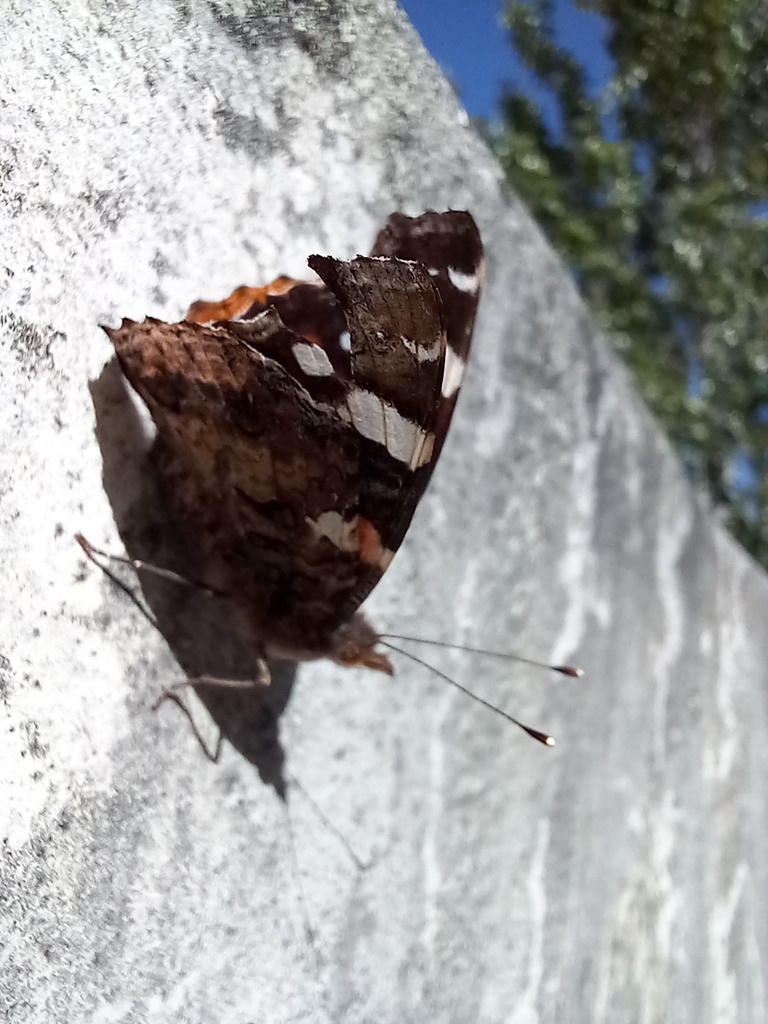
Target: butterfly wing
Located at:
point(448, 245)
point(265, 473)
point(411, 330)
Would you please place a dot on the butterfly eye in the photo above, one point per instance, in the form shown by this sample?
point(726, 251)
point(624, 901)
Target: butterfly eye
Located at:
point(349, 654)
point(356, 653)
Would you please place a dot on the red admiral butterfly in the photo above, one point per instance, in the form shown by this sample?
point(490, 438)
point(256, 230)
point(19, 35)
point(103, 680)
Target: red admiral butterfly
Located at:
point(303, 421)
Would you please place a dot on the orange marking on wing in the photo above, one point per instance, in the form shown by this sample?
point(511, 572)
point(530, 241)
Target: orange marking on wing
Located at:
point(312, 337)
point(238, 302)
point(371, 548)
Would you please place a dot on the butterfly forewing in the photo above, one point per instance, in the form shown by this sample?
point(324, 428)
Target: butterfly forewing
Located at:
point(448, 245)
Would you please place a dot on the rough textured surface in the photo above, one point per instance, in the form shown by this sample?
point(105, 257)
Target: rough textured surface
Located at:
point(154, 154)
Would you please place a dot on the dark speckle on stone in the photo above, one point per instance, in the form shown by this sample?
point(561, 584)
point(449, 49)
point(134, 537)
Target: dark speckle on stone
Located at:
point(314, 28)
point(248, 133)
point(110, 206)
point(162, 265)
point(30, 343)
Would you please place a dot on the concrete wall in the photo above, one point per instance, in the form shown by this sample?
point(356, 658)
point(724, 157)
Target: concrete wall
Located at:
point(155, 153)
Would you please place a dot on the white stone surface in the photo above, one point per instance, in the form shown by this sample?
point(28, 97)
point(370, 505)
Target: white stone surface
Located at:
point(155, 153)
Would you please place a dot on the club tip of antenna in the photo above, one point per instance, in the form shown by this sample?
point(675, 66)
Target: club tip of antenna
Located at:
point(542, 737)
point(569, 670)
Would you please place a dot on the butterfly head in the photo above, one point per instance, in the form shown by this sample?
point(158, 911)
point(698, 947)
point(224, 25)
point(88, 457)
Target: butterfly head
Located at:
point(354, 646)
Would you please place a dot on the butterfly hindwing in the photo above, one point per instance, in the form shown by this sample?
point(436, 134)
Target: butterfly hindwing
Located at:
point(267, 475)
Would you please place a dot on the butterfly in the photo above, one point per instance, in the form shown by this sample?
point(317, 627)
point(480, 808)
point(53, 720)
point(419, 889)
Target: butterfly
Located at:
point(302, 422)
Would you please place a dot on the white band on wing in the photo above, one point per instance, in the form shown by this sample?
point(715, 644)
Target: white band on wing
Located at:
point(380, 421)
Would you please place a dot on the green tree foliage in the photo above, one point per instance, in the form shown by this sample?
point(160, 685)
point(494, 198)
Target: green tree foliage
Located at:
point(655, 191)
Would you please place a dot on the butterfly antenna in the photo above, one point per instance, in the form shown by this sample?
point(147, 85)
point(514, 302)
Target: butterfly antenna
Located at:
point(536, 734)
point(564, 670)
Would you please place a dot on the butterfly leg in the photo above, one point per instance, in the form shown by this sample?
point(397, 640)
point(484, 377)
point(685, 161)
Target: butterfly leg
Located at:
point(262, 678)
point(214, 755)
point(94, 554)
point(263, 675)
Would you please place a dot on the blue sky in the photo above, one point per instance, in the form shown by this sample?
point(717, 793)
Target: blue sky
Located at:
point(468, 40)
